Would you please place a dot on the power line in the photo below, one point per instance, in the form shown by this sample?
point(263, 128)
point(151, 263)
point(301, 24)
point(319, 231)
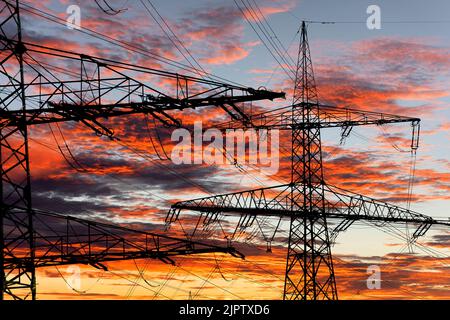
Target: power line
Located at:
point(212, 283)
point(115, 177)
point(136, 283)
point(135, 151)
point(259, 22)
point(198, 66)
point(167, 168)
point(110, 10)
point(365, 21)
point(288, 73)
point(286, 51)
point(126, 45)
point(277, 66)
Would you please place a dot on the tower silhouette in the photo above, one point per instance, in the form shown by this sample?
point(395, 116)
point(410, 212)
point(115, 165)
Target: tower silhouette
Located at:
point(308, 201)
point(33, 94)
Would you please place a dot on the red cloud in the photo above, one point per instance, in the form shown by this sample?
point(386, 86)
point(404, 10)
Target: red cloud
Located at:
point(401, 70)
point(267, 9)
point(227, 55)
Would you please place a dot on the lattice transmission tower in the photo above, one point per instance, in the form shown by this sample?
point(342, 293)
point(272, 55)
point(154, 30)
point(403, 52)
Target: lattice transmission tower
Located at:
point(308, 201)
point(92, 91)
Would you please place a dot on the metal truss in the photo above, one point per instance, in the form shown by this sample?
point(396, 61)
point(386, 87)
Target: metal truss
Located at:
point(308, 201)
point(330, 117)
point(35, 88)
point(274, 201)
point(15, 168)
point(104, 88)
point(61, 240)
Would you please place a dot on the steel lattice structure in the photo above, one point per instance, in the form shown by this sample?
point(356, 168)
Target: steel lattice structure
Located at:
point(31, 94)
point(308, 201)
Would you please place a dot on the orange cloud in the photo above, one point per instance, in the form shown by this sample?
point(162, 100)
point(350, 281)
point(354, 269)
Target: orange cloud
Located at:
point(227, 55)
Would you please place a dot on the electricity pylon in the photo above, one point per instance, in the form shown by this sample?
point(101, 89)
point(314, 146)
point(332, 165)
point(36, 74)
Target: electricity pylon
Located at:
point(32, 92)
point(307, 200)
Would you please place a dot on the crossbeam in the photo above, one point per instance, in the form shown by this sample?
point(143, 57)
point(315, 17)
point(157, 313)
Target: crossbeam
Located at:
point(275, 201)
point(330, 117)
point(61, 240)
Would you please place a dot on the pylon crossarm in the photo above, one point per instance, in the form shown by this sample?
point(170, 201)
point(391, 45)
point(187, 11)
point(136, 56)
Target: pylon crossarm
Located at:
point(330, 117)
point(275, 201)
point(55, 109)
point(351, 207)
point(105, 88)
point(341, 203)
point(61, 240)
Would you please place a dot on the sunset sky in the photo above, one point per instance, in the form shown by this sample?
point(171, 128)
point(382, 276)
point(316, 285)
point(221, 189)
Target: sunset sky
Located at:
point(403, 69)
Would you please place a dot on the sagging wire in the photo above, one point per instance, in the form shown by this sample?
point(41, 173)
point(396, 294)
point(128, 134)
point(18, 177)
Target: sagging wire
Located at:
point(201, 72)
point(412, 173)
point(151, 138)
point(160, 140)
point(80, 292)
point(158, 137)
point(412, 170)
point(434, 252)
point(387, 138)
point(140, 276)
point(136, 283)
point(220, 270)
point(169, 276)
point(117, 274)
point(75, 165)
point(107, 174)
point(206, 280)
point(68, 149)
point(128, 46)
point(395, 232)
point(279, 57)
point(109, 10)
